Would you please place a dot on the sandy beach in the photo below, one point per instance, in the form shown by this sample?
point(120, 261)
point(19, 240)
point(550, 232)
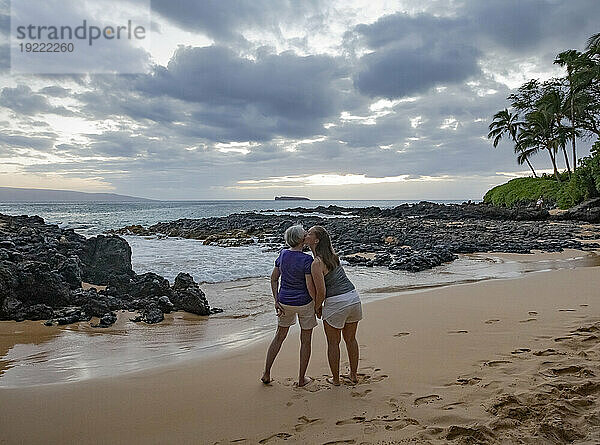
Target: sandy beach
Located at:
point(505, 361)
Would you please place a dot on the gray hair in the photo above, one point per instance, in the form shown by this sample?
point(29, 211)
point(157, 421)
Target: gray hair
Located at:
point(294, 235)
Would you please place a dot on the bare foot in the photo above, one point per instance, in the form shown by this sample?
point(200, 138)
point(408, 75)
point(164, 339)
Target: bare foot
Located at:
point(304, 382)
point(332, 382)
point(266, 379)
point(353, 378)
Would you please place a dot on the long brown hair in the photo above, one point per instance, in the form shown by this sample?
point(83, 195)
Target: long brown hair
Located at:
point(324, 249)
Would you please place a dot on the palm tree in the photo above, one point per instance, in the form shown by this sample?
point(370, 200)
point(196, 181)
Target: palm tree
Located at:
point(593, 43)
point(552, 103)
point(538, 133)
point(570, 59)
point(505, 122)
point(524, 153)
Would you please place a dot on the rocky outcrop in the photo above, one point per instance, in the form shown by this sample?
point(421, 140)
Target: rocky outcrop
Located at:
point(426, 209)
point(408, 237)
point(42, 268)
point(586, 211)
point(104, 257)
point(188, 297)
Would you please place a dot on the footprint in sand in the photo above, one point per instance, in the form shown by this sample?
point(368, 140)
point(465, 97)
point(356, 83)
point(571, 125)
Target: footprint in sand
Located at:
point(450, 406)
point(394, 404)
point(364, 377)
point(494, 363)
point(304, 422)
point(562, 338)
point(573, 370)
point(528, 320)
point(274, 437)
point(238, 440)
point(461, 331)
point(397, 423)
point(340, 442)
point(567, 310)
point(355, 419)
point(360, 394)
point(532, 313)
point(588, 329)
point(401, 334)
point(426, 399)
point(493, 320)
point(521, 350)
point(546, 352)
point(466, 381)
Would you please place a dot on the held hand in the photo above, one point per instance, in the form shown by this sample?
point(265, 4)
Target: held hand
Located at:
point(279, 309)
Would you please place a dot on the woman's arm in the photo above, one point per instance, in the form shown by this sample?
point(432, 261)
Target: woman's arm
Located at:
point(275, 289)
point(310, 285)
point(316, 270)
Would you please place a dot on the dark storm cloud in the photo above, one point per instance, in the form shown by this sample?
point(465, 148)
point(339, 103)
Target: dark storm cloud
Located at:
point(226, 19)
point(533, 25)
point(399, 72)
point(116, 97)
point(277, 94)
point(411, 54)
point(22, 99)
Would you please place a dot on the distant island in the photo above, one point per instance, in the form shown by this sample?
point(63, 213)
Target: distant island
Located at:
point(13, 194)
point(291, 198)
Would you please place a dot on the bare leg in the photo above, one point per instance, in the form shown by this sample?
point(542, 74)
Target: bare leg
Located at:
point(305, 349)
point(349, 333)
point(333, 350)
point(272, 352)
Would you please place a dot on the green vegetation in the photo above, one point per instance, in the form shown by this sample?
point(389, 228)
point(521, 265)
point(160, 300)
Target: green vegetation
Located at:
point(584, 184)
point(547, 117)
point(524, 191)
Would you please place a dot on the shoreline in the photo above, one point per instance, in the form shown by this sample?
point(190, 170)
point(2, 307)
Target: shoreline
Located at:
point(430, 362)
point(183, 337)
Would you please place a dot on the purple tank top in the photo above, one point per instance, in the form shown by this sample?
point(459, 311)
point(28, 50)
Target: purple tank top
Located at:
point(293, 266)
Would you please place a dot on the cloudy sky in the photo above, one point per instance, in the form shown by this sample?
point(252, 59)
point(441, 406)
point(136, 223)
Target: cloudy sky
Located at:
point(247, 99)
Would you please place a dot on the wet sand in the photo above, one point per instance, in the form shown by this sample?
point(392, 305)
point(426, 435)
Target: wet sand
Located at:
point(499, 360)
point(32, 354)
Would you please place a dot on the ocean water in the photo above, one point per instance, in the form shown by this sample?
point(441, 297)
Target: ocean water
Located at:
point(170, 256)
point(92, 218)
point(235, 279)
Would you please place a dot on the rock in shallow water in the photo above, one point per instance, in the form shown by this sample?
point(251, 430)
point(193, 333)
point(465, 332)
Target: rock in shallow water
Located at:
point(42, 266)
point(188, 296)
point(106, 320)
point(152, 314)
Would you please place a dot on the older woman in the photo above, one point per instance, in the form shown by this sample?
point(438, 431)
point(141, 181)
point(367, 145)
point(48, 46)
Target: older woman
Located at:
point(292, 299)
point(341, 308)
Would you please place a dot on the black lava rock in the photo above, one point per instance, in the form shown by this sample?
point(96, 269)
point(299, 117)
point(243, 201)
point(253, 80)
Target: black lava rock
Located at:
point(188, 296)
point(152, 314)
point(42, 268)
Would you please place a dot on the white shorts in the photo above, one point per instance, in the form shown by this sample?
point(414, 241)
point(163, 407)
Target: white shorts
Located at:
point(341, 309)
point(306, 315)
